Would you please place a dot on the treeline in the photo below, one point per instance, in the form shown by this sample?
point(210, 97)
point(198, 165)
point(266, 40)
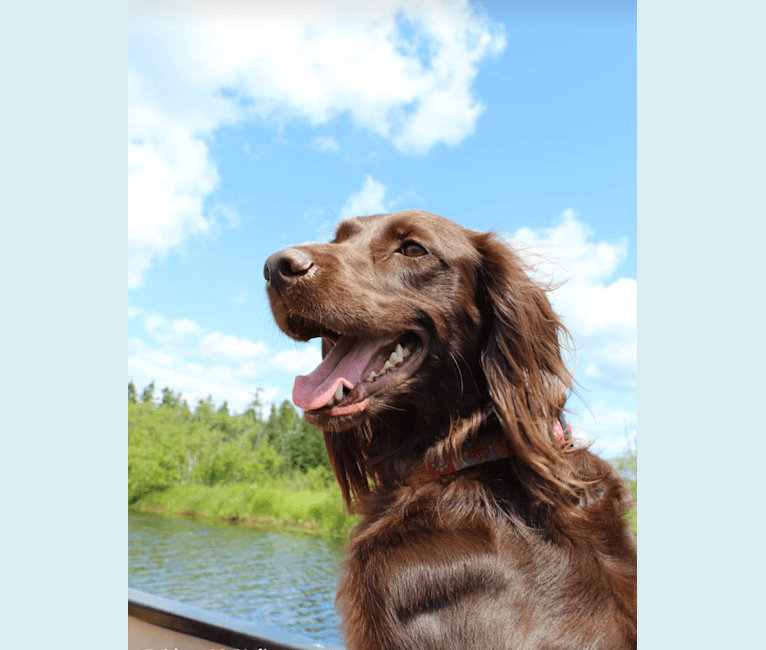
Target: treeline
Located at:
point(275, 468)
point(171, 444)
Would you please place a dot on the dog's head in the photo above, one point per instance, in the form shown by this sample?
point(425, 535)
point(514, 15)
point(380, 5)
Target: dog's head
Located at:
point(430, 332)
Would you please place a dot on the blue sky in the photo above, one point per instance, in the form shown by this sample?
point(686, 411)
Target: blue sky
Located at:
point(254, 128)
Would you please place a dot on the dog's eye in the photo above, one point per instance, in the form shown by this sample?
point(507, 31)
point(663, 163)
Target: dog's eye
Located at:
point(412, 249)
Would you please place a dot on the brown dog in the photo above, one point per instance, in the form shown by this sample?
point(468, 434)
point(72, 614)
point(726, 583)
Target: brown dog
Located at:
point(440, 397)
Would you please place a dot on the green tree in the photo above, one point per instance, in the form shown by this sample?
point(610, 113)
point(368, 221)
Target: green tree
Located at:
point(155, 457)
point(252, 422)
point(253, 410)
point(147, 397)
point(283, 424)
point(170, 399)
point(300, 444)
point(306, 449)
point(267, 461)
point(132, 395)
point(204, 410)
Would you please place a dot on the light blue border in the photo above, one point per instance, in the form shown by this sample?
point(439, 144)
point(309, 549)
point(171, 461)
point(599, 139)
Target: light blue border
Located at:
point(701, 236)
point(63, 268)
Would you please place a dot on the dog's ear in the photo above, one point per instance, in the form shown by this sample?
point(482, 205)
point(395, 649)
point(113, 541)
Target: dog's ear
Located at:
point(521, 357)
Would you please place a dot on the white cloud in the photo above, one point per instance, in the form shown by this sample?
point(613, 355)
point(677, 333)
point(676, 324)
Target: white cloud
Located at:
point(241, 297)
point(247, 370)
point(185, 327)
point(326, 144)
point(405, 201)
point(170, 174)
point(610, 430)
point(600, 311)
point(368, 200)
point(179, 354)
point(230, 347)
point(163, 331)
point(300, 361)
point(401, 70)
point(371, 198)
point(153, 324)
point(187, 370)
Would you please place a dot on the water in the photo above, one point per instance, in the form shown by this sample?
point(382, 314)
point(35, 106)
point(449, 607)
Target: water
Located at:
point(280, 579)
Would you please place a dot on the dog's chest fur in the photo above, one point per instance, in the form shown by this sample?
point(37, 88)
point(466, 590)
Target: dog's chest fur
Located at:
point(460, 562)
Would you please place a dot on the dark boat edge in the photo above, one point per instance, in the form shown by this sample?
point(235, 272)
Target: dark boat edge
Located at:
point(213, 626)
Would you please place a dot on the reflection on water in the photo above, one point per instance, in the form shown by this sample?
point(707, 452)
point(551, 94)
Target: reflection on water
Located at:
point(283, 580)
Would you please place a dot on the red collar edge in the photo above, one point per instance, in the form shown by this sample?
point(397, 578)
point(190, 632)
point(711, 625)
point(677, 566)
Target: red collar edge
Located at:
point(486, 449)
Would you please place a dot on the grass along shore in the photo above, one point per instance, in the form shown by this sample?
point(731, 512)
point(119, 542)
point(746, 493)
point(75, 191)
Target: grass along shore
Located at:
point(318, 512)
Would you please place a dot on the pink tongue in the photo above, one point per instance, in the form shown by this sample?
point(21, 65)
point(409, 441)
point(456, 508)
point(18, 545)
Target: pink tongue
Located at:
point(344, 364)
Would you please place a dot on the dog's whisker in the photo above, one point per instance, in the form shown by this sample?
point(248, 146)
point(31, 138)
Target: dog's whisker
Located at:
point(468, 366)
point(459, 372)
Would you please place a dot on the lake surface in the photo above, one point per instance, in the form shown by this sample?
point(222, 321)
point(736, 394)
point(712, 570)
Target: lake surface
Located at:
point(283, 580)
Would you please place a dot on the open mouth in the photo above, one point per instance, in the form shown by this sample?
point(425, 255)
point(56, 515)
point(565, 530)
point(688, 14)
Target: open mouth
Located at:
point(354, 370)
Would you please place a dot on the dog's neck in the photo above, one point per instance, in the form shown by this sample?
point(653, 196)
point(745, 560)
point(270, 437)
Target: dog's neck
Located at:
point(485, 449)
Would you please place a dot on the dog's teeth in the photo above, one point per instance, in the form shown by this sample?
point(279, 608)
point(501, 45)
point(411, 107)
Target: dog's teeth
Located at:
point(395, 359)
point(339, 394)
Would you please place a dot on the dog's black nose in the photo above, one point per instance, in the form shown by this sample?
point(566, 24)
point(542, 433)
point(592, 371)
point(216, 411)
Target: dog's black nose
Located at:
point(285, 266)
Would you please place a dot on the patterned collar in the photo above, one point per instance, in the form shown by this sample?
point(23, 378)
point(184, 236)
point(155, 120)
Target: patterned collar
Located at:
point(484, 450)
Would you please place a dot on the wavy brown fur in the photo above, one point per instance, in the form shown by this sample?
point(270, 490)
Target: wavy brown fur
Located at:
point(526, 552)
